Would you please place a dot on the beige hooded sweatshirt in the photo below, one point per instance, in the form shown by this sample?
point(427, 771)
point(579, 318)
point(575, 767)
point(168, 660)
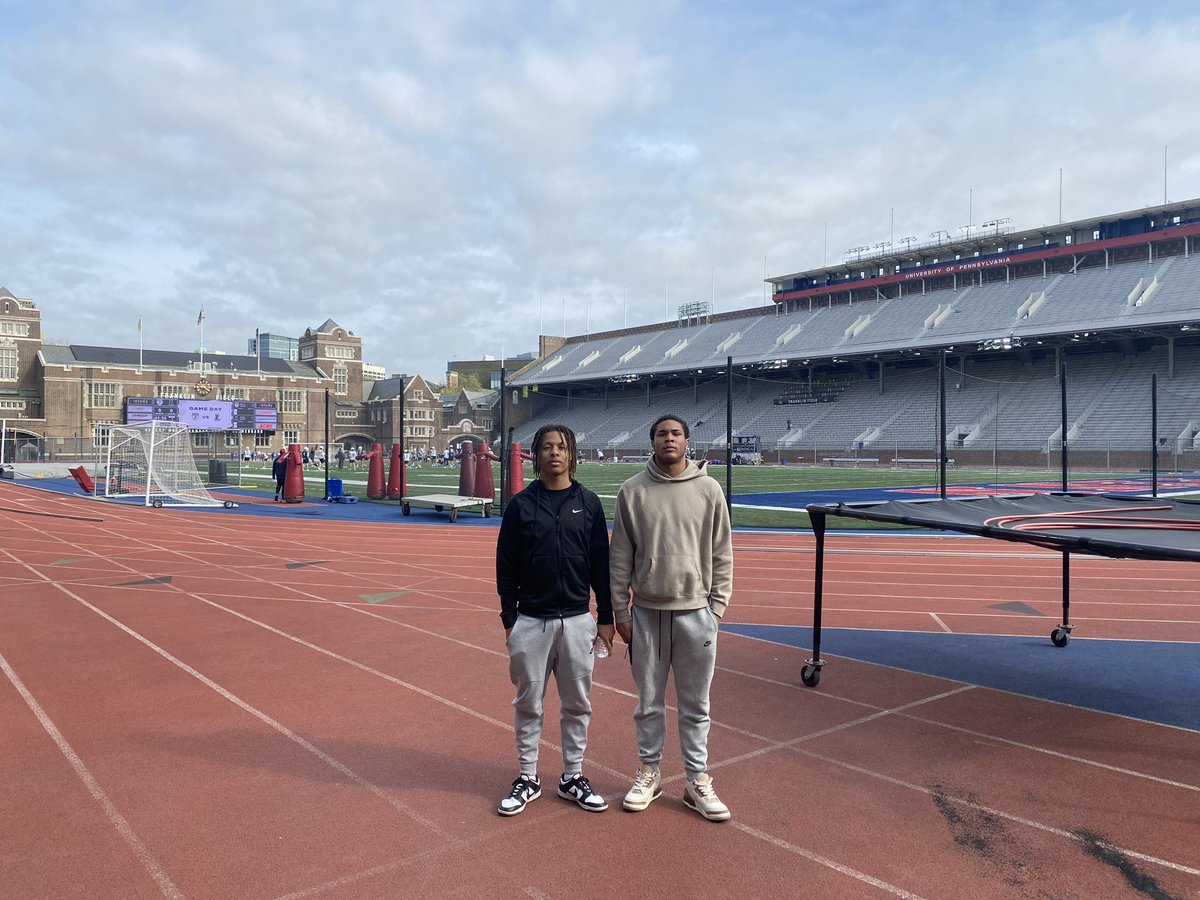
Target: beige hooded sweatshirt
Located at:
point(671, 543)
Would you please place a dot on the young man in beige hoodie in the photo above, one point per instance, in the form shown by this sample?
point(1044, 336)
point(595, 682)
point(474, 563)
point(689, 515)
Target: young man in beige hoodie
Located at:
point(672, 552)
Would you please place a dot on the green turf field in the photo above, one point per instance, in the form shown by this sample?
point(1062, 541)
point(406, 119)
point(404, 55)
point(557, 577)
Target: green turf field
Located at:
point(605, 479)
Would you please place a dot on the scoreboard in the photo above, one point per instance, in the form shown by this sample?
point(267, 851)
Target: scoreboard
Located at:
point(207, 415)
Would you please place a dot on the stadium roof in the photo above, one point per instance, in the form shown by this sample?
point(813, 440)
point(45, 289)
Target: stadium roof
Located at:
point(1085, 298)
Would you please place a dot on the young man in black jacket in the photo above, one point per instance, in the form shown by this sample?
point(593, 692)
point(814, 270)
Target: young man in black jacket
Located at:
point(552, 552)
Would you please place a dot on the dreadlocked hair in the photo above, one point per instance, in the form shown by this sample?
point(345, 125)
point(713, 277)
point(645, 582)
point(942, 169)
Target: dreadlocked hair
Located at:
point(568, 437)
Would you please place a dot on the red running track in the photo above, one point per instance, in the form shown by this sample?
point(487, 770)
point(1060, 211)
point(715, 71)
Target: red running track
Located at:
point(195, 705)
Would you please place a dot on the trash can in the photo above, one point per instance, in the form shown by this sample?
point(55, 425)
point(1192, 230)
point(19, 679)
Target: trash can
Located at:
point(218, 471)
point(335, 489)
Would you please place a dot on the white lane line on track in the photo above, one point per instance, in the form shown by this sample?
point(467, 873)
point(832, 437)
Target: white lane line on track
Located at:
point(277, 726)
point(118, 821)
point(943, 625)
point(825, 861)
point(779, 842)
point(1011, 817)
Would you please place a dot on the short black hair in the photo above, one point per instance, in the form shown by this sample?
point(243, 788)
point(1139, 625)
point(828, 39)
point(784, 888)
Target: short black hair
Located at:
point(670, 418)
point(568, 437)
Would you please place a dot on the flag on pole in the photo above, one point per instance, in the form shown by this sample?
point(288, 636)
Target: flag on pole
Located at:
point(139, 324)
point(200, 318)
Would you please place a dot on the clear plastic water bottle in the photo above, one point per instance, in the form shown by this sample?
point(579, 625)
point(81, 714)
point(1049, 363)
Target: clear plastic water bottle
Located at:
point(599, 648)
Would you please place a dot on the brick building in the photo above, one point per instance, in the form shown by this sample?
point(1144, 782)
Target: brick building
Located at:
point(57, 400)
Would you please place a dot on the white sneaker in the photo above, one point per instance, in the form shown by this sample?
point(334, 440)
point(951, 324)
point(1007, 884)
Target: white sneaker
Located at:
point(579, 790)
point(647, 787)
point(524, 790)
point(700, 796)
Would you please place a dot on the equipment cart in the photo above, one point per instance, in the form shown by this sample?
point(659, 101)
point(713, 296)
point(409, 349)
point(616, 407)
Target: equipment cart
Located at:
point(452, 502)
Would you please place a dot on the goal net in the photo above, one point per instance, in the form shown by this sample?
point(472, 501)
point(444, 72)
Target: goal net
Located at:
point(153, 464)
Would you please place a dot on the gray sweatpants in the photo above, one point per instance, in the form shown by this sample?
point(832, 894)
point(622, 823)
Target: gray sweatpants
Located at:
point(537, 649)
point(684, 642)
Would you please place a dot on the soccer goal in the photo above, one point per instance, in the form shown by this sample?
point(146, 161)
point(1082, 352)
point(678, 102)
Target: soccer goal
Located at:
point(153, 464)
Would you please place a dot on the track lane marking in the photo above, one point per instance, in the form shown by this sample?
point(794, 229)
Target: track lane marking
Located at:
point(152, 866)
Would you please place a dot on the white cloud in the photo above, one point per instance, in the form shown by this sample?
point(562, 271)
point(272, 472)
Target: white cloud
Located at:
point(439, 176)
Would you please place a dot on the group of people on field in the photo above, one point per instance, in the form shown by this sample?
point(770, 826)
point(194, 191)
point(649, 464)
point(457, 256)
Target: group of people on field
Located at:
point(661, 585)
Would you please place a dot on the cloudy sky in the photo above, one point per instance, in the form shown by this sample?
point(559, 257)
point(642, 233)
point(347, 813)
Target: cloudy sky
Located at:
point(448, 178)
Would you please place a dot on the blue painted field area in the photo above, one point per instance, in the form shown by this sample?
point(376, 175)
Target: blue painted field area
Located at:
point(1151, 680)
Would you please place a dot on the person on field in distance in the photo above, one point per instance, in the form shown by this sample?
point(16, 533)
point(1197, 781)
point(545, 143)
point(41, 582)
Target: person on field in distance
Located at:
point(551, 553)
point(279, 472)
point(672, 551)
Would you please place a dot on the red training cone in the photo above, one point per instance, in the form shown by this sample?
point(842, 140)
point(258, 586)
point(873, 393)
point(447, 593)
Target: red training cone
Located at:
point(293, 479)
point(396, 486)
point(466, 472)
point(375, 473)
point(485, 481)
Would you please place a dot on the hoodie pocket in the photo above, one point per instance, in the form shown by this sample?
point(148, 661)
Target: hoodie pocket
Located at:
point(670, 577)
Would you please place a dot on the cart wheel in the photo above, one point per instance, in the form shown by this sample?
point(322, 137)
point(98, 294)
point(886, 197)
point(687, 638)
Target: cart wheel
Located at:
point(811, 676)
point(453, 515)
point(487, 510)
point(406, 509)
point(1059, 637)
point(157, 504)
point(229, 504)
point(439, 509)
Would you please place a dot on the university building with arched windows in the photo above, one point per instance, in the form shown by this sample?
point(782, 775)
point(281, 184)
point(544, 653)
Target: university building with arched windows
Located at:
point(57, 401)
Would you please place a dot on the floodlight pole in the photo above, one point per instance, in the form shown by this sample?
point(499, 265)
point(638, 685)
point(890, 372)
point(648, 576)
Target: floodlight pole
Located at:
point(326, 443)
point(403, 414)
point(729, 435)
point(504, 444)
point(942, 427)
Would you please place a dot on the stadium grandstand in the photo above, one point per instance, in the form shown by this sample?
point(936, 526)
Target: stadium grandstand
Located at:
point(844, 364)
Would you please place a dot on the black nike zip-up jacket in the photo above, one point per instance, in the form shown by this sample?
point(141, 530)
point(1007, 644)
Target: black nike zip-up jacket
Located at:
point(546, 564)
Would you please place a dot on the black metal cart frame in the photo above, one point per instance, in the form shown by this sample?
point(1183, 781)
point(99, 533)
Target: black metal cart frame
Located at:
point(1113, 525)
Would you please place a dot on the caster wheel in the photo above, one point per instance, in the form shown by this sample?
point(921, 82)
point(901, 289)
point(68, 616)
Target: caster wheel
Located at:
point(157, 504)
point(229, 504)
point(406, 509)
point(454, 515)
point(487, 510)
point(811, 676)
point(1060, 638)
point(438, 508)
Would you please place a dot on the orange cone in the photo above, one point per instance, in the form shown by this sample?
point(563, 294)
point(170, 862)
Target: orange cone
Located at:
point(396, 481)
point(293, 479)
point(375, 473)
point(466, 472)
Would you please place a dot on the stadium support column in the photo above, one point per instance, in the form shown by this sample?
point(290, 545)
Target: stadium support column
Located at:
point(326, 443)
point(1062, 443)
point(1154, 434)
point(729, 435)
point(942, 426)
point(504, 449)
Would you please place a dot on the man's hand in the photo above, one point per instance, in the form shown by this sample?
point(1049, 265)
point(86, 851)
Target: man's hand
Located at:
point(625, 630)
point(605, 633)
